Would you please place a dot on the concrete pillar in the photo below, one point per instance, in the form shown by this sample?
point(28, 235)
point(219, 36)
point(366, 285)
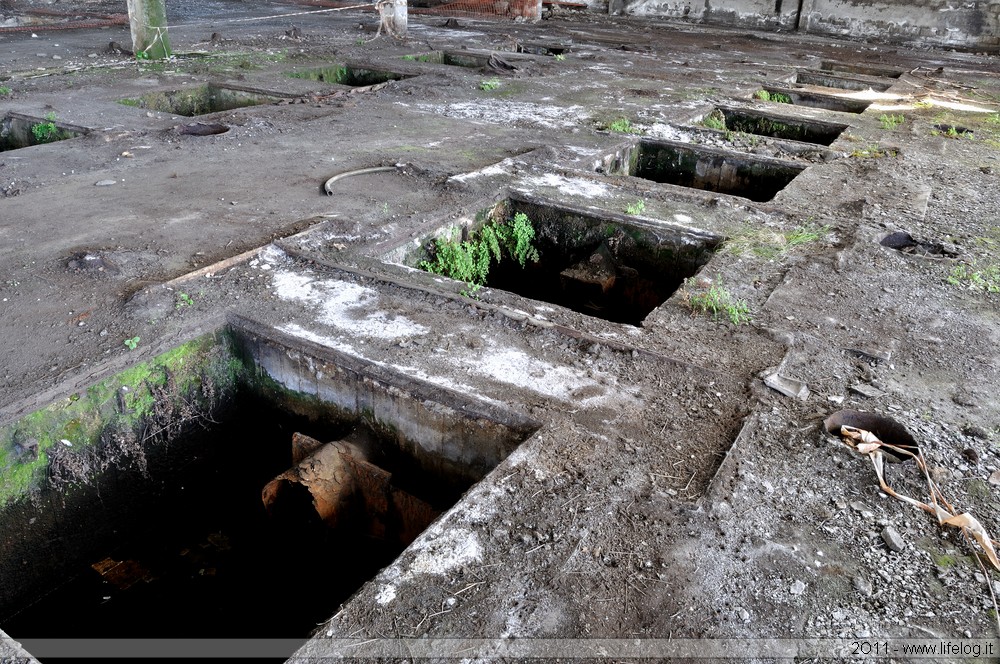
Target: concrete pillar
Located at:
point(531, 10)
point(148, 20)
point(399, 18)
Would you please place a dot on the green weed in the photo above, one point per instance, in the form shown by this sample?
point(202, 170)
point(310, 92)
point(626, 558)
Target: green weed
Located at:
point(890, 121)
point(804, 235)
point(636, 208)
point(872, 151)
point(132, 343)
point(559, 57)
point(183, 300)
point(982, 277)
point(718, 300)
point(4, 90)
point(622, 126)
point(715, 120)
point(45, 132)
point(776, 97)
point(489, 84)
point(470, 261)
point(768, 244)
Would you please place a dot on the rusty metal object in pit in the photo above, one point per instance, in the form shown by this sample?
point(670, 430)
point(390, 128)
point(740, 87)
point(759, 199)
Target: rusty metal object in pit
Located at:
point(344, 486)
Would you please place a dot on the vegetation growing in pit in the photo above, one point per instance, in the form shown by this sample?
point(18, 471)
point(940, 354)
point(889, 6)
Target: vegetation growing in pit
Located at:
point(45, 132)
point(715, 120)
point(489, 84)
point(470, 260)
point(768, 243)
point(111, 421)
point(776, 97)
point(718, 301)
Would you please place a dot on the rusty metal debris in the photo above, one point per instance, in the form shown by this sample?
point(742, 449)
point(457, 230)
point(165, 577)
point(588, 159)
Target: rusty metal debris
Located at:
point(347, 489)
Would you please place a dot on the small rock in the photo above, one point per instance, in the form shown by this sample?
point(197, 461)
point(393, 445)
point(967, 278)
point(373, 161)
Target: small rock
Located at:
point(971, 456)
point(104, 183)
point(798, 588)
point(863, 586)
point(867, 391)
point(743, 614)
point(859, 506)
point(995, 478)
point(893, 539)
point(790, 387)
point(975, 432)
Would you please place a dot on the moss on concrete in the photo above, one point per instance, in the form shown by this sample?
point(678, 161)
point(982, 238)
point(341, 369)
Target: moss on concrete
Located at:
point(200, 372)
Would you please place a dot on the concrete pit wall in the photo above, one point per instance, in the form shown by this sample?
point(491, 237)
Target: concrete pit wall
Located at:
point(939, 22)
point(451, 438)
point(972, 25)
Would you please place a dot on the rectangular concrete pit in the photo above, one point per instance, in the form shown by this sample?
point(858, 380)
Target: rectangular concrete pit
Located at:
point(21, 131)
point(450, 438)
point(200, 100)
point(778, 126)
point(864, 70)
point(605, 265)
point(351, 75)
point(686, 165)
point(181, 545)
point(543, 48)
point(468, 59)
point(842, 104)
point(828, 80)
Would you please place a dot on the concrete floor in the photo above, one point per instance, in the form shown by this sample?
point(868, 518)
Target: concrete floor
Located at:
point(668, 492)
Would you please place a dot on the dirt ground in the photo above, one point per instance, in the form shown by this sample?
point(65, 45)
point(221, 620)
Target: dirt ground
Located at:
point(669, 493)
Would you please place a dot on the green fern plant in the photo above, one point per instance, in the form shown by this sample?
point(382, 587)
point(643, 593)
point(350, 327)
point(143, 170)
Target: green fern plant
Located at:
point(470, 260)
point(45, 132)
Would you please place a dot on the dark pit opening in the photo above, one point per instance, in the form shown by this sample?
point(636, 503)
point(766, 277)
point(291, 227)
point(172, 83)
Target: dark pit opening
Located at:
point(843, 104)
point(23, 131)
point(543, 48)
point(182, 544)
point(349, 75)
point(607, 266)
point(776, 126)
point(756, 178)
point(864, 70)
point(199, 100)
point(828, 80)
point(451, 58)
point(887, 430)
